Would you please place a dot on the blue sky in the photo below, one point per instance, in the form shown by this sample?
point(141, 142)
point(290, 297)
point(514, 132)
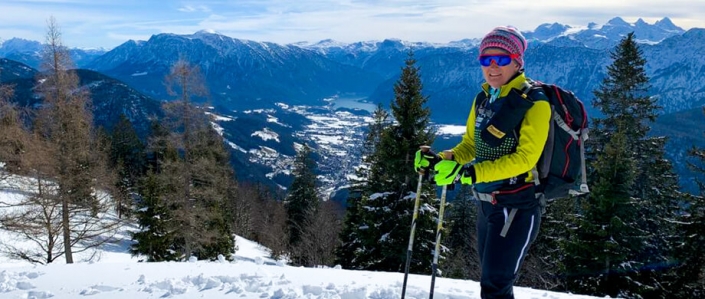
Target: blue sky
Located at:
point(108, 23)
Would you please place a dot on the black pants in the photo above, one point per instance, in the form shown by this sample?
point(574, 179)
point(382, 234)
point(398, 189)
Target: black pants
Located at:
point(501, 256)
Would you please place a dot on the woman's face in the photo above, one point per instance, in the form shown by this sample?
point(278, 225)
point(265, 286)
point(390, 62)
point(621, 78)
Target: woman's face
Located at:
point(496, 75)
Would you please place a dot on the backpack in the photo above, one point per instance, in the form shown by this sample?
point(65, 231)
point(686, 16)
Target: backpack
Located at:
point(561, 168)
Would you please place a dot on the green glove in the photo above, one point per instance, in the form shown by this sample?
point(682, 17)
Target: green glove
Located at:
point(446, 172)
point(424, 160)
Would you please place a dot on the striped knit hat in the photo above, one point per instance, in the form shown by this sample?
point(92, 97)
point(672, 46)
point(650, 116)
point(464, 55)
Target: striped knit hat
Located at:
point(508, 39)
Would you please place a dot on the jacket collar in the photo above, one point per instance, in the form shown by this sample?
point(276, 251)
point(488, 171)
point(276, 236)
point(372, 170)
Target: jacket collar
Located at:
point(518, 82)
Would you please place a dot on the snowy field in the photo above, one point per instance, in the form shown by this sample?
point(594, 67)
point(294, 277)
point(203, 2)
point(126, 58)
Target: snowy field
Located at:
point(112, 273)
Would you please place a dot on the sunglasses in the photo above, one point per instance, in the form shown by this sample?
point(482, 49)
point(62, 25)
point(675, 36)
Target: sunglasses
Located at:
point(499, 59)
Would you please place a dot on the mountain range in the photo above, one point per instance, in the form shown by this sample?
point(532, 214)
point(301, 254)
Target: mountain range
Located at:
point(250, 76)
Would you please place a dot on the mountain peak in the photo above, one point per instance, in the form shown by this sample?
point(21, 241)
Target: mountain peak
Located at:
point(640, 23)
point(329, 43)
point(617, 21)
point(555, 27)
point(15, 44)
point(667, 24)
point(206, 32)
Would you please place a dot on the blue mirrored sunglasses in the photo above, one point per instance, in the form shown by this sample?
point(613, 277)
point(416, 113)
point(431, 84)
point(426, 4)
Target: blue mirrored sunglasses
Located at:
point(499, 59)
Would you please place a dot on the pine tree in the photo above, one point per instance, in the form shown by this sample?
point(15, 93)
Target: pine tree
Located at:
point(214, 185)
point(128, 157)
point(155, 240)
point(387, 201)
point(412, 129)
point(192, 162)
point(302, 202)
point(622, 236)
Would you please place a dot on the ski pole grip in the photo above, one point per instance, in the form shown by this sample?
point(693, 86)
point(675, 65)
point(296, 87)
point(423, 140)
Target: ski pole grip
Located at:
point(429, 155)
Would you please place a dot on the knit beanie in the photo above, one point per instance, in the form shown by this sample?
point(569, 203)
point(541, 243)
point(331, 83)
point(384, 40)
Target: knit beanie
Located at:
point(508, 39)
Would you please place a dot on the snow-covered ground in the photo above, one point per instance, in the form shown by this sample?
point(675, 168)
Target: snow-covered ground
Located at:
point(112, 273)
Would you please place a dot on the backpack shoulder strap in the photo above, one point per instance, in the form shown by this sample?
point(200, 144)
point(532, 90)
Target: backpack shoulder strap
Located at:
point(530, 88)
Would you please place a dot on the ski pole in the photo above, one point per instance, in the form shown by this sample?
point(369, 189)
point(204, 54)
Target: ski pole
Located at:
point(434, 266)
point(424, 148)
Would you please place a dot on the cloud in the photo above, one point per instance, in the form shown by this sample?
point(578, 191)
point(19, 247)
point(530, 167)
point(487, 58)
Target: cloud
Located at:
point(189, 8)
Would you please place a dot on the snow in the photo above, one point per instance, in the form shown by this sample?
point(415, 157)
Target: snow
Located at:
point(575, 30)
point(266, 134)
point(237, 147)
point(274, 119)
point(451, 130)
point(111, 273)
point(217, 117)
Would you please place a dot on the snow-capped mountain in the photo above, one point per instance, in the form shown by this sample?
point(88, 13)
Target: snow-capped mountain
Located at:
point(607, 35)
point(238, 72)
point(30, 52)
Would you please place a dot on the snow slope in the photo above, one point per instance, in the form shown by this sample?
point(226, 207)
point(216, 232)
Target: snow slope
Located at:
point(112, 273)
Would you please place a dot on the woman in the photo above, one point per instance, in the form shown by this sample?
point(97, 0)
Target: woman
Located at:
point(505, 134)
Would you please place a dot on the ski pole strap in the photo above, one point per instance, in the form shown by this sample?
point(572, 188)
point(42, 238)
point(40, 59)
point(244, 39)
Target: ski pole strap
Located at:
point(508, 221)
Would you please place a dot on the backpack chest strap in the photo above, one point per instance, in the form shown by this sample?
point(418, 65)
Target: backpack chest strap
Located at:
point(563, 125)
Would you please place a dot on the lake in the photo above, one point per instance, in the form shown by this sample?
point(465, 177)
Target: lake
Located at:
point(353, 103)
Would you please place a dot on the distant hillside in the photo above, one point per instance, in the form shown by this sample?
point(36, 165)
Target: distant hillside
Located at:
point(110, 97)
point(240, 74)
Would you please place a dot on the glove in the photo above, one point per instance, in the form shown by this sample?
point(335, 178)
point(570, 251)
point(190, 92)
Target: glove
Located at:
point(425, 160)
point(507, 118)
point(449, 172)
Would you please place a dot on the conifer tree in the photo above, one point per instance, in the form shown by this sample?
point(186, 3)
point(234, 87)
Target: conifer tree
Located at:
point(127, 156)
point(155, 240)
point(302, 202)
point(388, 199)
point(412, 129)
point(214, 185)
point(622, 235)
point(197, 177)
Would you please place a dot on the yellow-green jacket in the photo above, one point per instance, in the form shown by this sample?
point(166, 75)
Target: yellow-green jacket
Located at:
point(511, 167)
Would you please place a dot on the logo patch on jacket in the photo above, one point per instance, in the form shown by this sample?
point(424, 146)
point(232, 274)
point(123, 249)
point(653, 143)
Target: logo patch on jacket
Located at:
point(496, 132)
